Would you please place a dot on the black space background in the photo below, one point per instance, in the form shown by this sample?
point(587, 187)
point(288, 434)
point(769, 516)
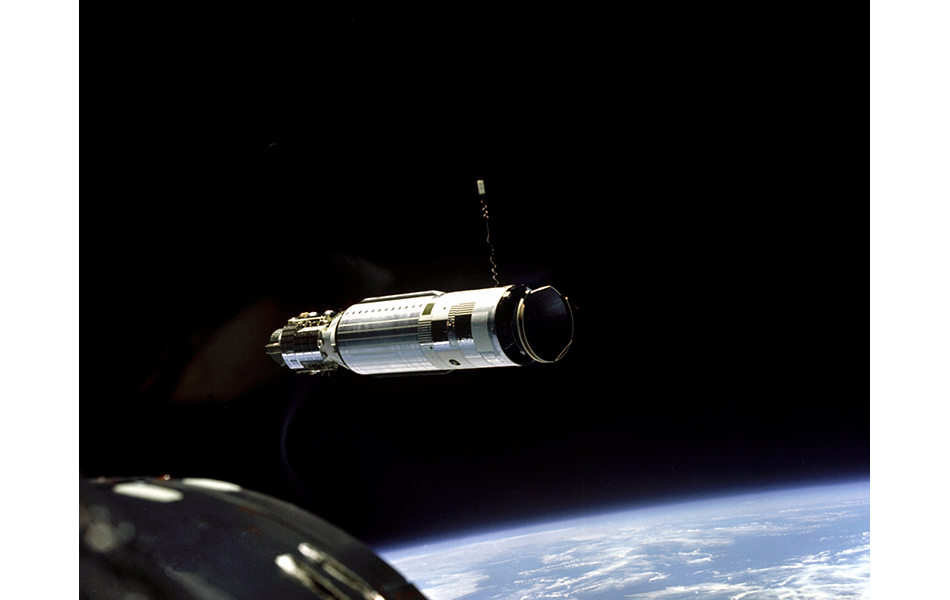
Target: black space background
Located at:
point(679, 183)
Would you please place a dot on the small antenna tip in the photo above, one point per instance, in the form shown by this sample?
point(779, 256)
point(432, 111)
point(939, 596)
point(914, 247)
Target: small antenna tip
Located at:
point(481, 187)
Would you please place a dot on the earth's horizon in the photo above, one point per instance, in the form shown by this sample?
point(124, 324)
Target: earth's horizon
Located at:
point(804, 542)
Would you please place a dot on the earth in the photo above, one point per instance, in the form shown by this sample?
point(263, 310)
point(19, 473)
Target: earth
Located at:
point(799, 543)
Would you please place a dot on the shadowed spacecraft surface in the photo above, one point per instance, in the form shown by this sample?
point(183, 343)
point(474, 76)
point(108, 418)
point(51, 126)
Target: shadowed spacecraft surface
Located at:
point(430, 332)
point(190, 539)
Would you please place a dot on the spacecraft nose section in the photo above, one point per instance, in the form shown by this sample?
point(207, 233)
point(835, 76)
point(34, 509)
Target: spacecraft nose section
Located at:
point(545, 324)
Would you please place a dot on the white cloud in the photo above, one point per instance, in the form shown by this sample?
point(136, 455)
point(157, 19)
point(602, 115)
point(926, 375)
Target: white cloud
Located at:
point(450, 587)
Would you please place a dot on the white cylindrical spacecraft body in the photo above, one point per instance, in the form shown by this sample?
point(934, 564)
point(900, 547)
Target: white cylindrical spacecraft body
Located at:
point(430, 332)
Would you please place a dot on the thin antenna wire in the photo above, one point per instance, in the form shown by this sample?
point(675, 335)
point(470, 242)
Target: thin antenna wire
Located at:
point(491, 258)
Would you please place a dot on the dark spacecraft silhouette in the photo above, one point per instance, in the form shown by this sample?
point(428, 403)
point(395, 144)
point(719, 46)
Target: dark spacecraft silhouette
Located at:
point(190, 539)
